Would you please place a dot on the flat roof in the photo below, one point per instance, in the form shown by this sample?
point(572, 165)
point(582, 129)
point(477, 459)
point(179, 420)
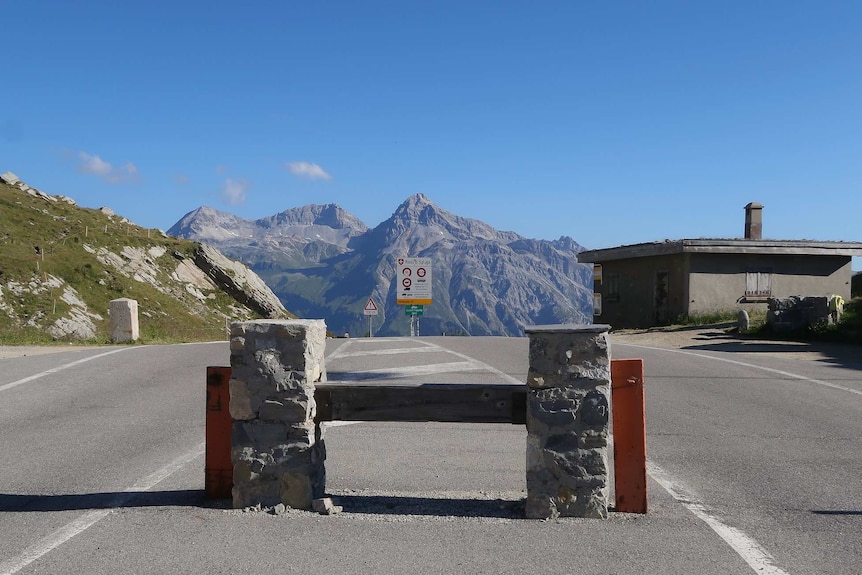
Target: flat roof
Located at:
point(724, 246)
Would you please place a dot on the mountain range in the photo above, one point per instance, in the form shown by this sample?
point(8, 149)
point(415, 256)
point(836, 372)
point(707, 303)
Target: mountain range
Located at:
point(323, 262)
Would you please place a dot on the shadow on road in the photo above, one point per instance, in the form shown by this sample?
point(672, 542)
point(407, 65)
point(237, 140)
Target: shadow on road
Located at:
point(842, 355)
point(399, 505)
point(110, 500)
point(360, 504)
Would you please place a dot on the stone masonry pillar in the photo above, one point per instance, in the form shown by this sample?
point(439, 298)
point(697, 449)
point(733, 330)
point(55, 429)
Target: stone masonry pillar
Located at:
point(124, 320)
point(277, 451)
point(567, 421)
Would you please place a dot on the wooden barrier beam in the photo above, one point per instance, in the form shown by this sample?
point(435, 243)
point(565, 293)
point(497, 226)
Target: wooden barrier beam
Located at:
point(627, 398)
point(444, 402)
point(470, 403)
point(218, 469)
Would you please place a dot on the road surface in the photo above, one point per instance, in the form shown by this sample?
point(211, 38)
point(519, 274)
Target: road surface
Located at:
point(753, 447)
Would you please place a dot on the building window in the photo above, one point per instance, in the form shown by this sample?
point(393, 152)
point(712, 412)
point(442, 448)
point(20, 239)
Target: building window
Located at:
point(613, 287)
point(758, 283)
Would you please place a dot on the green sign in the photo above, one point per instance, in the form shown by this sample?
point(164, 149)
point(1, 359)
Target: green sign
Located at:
point(414, 309)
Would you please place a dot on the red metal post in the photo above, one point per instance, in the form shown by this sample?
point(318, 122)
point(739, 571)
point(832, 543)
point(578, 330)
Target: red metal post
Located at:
point(218, 472)
point(627, 397)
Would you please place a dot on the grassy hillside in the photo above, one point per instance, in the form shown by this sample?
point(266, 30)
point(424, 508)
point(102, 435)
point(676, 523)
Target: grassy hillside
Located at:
point(49, 245)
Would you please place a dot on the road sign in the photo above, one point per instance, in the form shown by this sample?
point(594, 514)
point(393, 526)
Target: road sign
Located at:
point(414, 309)
point(370, 308)
point(414, 281)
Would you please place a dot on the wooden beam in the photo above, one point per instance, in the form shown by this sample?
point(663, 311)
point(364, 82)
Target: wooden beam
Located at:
point(444, 402)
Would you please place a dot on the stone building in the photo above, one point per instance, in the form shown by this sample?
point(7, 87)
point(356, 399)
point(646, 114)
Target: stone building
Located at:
point(655, 283)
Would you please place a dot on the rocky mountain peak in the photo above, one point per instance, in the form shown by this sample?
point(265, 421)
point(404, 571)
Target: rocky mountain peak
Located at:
point(418, 223)
point(485, 281)
point(329, 215)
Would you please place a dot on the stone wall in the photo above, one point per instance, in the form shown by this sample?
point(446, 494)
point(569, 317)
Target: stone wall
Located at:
point(568, 409)
point(277, 451)
point(797, 313)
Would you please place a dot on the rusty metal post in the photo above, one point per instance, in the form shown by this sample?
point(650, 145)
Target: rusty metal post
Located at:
point(218, 472)
point(628, 407)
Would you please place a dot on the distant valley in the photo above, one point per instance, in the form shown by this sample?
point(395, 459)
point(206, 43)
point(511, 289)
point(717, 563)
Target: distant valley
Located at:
point(323, 262)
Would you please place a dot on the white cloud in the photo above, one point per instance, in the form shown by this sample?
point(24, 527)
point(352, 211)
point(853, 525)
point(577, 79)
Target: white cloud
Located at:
point(234, 192)
point(99, 167)
point(308, 170)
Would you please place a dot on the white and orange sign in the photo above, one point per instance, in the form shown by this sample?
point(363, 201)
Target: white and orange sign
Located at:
point(414, 281)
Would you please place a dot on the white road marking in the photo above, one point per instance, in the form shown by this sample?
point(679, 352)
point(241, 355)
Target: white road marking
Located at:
point(389, 351)
point(745, 546)
point(410, 371)
point(342, 349)
point(750, 550)
point(469, 363)
point(328, 424)
point(742, 363)
point(61, 368)
point(479, 365)
point(87, 520)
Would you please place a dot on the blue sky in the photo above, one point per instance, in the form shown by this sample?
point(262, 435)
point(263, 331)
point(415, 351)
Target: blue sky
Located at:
point(609, 122)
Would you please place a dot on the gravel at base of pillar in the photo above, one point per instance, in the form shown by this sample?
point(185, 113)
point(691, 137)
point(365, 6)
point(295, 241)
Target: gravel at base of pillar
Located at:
point(568, 421)
point(277, 450)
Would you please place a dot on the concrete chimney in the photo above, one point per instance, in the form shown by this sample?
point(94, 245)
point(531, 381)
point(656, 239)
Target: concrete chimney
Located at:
point(754, 221)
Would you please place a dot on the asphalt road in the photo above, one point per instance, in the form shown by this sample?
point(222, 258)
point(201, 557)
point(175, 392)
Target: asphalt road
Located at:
point(754, 463)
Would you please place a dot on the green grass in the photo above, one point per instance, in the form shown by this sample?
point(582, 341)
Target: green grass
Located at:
point(41, 238)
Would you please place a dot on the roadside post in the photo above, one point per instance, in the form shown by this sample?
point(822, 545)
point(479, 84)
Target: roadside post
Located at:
point(218, 468)
point(627, 400)
point(414, 312)
point(370, 310)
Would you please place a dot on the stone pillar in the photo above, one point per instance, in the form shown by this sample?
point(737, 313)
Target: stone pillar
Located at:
point(277, 451)
point(567, 421)
point(124, 320)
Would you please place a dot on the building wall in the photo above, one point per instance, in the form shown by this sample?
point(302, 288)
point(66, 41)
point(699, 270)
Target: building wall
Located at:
point(632, 303)
point(718, 281)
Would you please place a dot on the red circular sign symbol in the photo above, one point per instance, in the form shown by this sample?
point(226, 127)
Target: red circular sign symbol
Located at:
point(407, 271)
point(420, 272)
point(407, 282)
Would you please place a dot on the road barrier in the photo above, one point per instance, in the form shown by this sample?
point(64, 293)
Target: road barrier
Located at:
point(218, 469)
point(266, 446)
point(630, 474)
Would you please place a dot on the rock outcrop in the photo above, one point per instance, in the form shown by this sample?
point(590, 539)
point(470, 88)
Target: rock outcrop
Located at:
point(241, 283)
point(61, 265)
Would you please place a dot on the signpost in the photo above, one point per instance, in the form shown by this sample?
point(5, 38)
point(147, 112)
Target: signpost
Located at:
point(370, 310)
point(414, 288)
point(413, 309)
point(414, 281)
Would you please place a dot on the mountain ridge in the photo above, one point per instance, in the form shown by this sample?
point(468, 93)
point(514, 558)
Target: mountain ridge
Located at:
point(485, 281)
